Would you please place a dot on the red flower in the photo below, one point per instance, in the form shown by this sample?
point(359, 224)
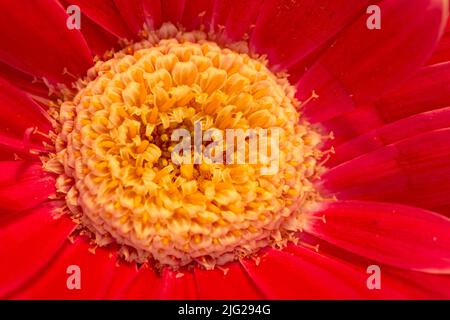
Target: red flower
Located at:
point(383, 94)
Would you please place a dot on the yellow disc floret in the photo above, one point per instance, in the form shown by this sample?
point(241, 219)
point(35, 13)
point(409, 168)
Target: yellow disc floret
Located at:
point(115, 144)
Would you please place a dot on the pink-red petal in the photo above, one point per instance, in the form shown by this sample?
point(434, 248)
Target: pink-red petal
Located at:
point(105, 14)
point(356, 276)
point(24, 185)
point(29, 244)
point(434, 286)
point(396, 235)
point(13, 148)
point(98, 39)
point(19, 112)
point(143, 285)
point(219, 15)
point(197, 13)
point(152, 10)
point(172, 10)
point(137, 13)
point(363, 64)
point(442, 53)
point(36, 40)
point(288, 31)
point(228, 282)
point(390, 133)
point(123, 276)
point(174, 285)
point(414, 171)
point(395, 283)
point(241, 19)
point(23, 81)
point(95, 274)
point(282, 275)
point(428, 90)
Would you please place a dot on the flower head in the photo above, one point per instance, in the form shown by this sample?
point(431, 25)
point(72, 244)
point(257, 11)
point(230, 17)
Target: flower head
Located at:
point(225, 149)
point(116, 164)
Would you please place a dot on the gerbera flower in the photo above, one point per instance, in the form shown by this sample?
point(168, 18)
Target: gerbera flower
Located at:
point(87, 184)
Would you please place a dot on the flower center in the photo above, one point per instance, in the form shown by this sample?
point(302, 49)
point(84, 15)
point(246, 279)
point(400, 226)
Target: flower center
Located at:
point(115, 144)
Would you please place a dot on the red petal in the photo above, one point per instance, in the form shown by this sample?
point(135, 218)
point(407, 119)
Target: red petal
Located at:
point(96, 272)
point(287, 31)
point(197, 13)
point(352, 124)
point(143, 286)
point(391, 133)
point(428, 90)
point(241, 18)
point(123, 276)
point(18, 112)
point(176, 285)
point(229, 282)
point(152, 10)
point(396, 235)
point(395, 283)
point(29, 244)
point(169, 285)
point(136, 14)
point(172, 10)
point(442, 53)
point(300, 278)
point(99, 40)
point(23, 81)
point(356, 276)
point(414, 171)
point(434, 286)
point(363, 64)
point(12, 148)
point(23, 185)
point(104, 13)
point(220, 14)
point(35, 39)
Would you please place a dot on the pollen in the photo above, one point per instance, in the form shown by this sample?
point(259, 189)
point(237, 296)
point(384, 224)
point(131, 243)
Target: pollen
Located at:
point(114, 145)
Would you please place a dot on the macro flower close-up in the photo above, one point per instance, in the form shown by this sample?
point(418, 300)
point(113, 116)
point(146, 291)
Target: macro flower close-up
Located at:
point(224, 149)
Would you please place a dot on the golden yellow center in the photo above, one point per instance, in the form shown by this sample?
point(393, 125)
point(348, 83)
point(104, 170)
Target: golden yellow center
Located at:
point(115, 141)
